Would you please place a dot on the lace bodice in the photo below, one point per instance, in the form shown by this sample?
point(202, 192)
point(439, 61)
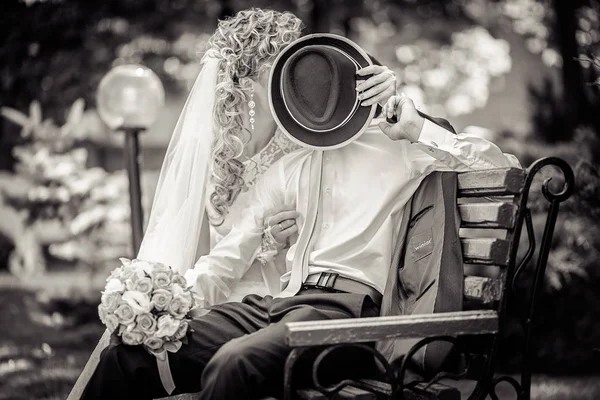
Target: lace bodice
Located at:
point(261, 161)
point(278, 146)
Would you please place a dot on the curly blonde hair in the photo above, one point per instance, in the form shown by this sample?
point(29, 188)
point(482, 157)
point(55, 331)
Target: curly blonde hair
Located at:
point(245, 45)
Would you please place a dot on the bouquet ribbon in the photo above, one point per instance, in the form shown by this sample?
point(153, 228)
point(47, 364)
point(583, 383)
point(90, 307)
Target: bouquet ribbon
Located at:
point(164, 371)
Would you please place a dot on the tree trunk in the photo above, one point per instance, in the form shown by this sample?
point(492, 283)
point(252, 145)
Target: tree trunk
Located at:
point(575, 104)
point(226, 10)
point(319, 17)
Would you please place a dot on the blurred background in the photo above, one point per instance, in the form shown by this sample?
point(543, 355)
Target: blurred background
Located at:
point(523, 73)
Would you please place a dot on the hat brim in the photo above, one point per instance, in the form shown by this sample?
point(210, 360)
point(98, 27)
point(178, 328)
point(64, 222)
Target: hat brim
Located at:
point(335, 138)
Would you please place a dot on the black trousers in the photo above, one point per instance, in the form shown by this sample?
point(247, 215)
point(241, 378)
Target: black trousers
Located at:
point(236, 351)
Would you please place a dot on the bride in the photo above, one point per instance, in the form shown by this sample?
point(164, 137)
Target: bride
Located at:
point(225, 139)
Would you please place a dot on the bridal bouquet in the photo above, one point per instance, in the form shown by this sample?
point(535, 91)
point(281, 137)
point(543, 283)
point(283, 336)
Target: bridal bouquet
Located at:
point(147, 303)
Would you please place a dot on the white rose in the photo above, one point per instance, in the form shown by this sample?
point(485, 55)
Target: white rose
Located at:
point(138, 301)
point(178, 279)
point(144, 266)
point(114, 285)
point(177, 290)
point(125, 261)
point(167, 326)
point(133, 337)
point(154, 343)
point(111, 300)
point(112, 322)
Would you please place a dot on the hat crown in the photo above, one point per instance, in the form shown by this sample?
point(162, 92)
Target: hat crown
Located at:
point(316, 70)
point(319, 87)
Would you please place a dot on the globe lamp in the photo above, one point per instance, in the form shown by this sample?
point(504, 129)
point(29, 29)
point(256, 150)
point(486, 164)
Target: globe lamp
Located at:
point(128, 100)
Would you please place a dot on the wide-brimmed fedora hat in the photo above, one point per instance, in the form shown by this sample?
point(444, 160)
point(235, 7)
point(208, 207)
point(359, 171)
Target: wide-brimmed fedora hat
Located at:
point(312, 91)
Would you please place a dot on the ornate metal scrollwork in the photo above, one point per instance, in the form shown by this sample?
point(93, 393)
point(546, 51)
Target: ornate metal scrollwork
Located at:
point(512, 381)
point(530, 250)
point(407, 360)
point(332, 389)
point(567, 172)
point(290, 362)
point(523, 389)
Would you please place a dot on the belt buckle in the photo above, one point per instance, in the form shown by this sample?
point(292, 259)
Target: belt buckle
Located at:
point(326, 281)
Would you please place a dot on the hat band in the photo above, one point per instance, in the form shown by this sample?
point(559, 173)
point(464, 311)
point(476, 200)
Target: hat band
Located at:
point(345, 121)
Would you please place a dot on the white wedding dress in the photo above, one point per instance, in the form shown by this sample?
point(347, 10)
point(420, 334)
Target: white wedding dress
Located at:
point(255, 280)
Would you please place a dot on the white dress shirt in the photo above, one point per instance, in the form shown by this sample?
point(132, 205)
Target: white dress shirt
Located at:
point(365, 187)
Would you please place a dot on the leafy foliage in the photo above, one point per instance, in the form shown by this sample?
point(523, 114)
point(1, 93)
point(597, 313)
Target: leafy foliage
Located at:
point(568, 310)
point(73, 209)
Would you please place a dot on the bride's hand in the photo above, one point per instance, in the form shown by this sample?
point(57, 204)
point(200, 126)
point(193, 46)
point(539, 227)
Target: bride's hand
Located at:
point(282, 221)
point(378, 88)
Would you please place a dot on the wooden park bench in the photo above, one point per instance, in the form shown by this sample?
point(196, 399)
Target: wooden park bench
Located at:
point(493, 206)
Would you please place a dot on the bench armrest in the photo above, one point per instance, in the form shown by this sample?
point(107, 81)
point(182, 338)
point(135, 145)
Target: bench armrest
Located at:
point(354, 330)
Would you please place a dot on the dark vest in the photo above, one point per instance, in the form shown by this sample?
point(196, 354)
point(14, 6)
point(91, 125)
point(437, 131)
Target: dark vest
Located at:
point(429, 274)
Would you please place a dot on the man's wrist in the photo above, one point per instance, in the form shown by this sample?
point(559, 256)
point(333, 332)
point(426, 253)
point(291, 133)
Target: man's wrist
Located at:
point(415, 128)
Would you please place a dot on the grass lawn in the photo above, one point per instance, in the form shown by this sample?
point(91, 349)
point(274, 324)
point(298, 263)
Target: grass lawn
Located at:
point(43, 345)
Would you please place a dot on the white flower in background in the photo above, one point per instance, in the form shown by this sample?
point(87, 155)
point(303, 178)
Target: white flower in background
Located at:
point(551, 58)
point(118, 212)
point(412, 74)
point(478, 90)
point(459, 104)
point(456, 77)
point(437, 78)
point(405, 54)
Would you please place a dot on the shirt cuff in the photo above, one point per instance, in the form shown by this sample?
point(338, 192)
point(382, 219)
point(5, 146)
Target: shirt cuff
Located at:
point(434, 135)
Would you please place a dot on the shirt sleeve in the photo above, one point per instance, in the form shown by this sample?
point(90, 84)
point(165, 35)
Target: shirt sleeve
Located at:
point(216, 273)
point(440, 150)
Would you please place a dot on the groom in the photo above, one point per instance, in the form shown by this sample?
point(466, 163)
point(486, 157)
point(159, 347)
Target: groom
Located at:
point(350, 184)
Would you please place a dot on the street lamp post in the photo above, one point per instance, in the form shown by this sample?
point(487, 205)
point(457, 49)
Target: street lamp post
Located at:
point(128, 100)
point(133, 161)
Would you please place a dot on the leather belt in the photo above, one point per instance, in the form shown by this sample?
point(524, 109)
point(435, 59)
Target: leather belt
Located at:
point(333, 282)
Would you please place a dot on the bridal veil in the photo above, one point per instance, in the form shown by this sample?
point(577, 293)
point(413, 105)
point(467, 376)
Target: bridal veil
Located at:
point(177, 230)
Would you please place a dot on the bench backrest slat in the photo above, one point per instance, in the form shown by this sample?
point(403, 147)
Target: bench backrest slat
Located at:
point(483, 290)
point(485, 251)
point(488, 215)
point(488, 212)
point(504, 181)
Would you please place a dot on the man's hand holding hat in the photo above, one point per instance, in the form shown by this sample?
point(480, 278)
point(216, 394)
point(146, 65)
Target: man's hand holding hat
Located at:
point(410, 122)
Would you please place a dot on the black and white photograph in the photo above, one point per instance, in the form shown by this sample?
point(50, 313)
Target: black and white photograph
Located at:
point(300, 199)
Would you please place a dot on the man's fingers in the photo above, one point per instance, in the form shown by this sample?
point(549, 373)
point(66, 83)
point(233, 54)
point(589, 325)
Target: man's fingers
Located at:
point(385, 94)
point(402, 101)
point(374, 91)
point(374, 80)
point(385, 127)
point(391, 109)
point(371, 69)
point(391, 105)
